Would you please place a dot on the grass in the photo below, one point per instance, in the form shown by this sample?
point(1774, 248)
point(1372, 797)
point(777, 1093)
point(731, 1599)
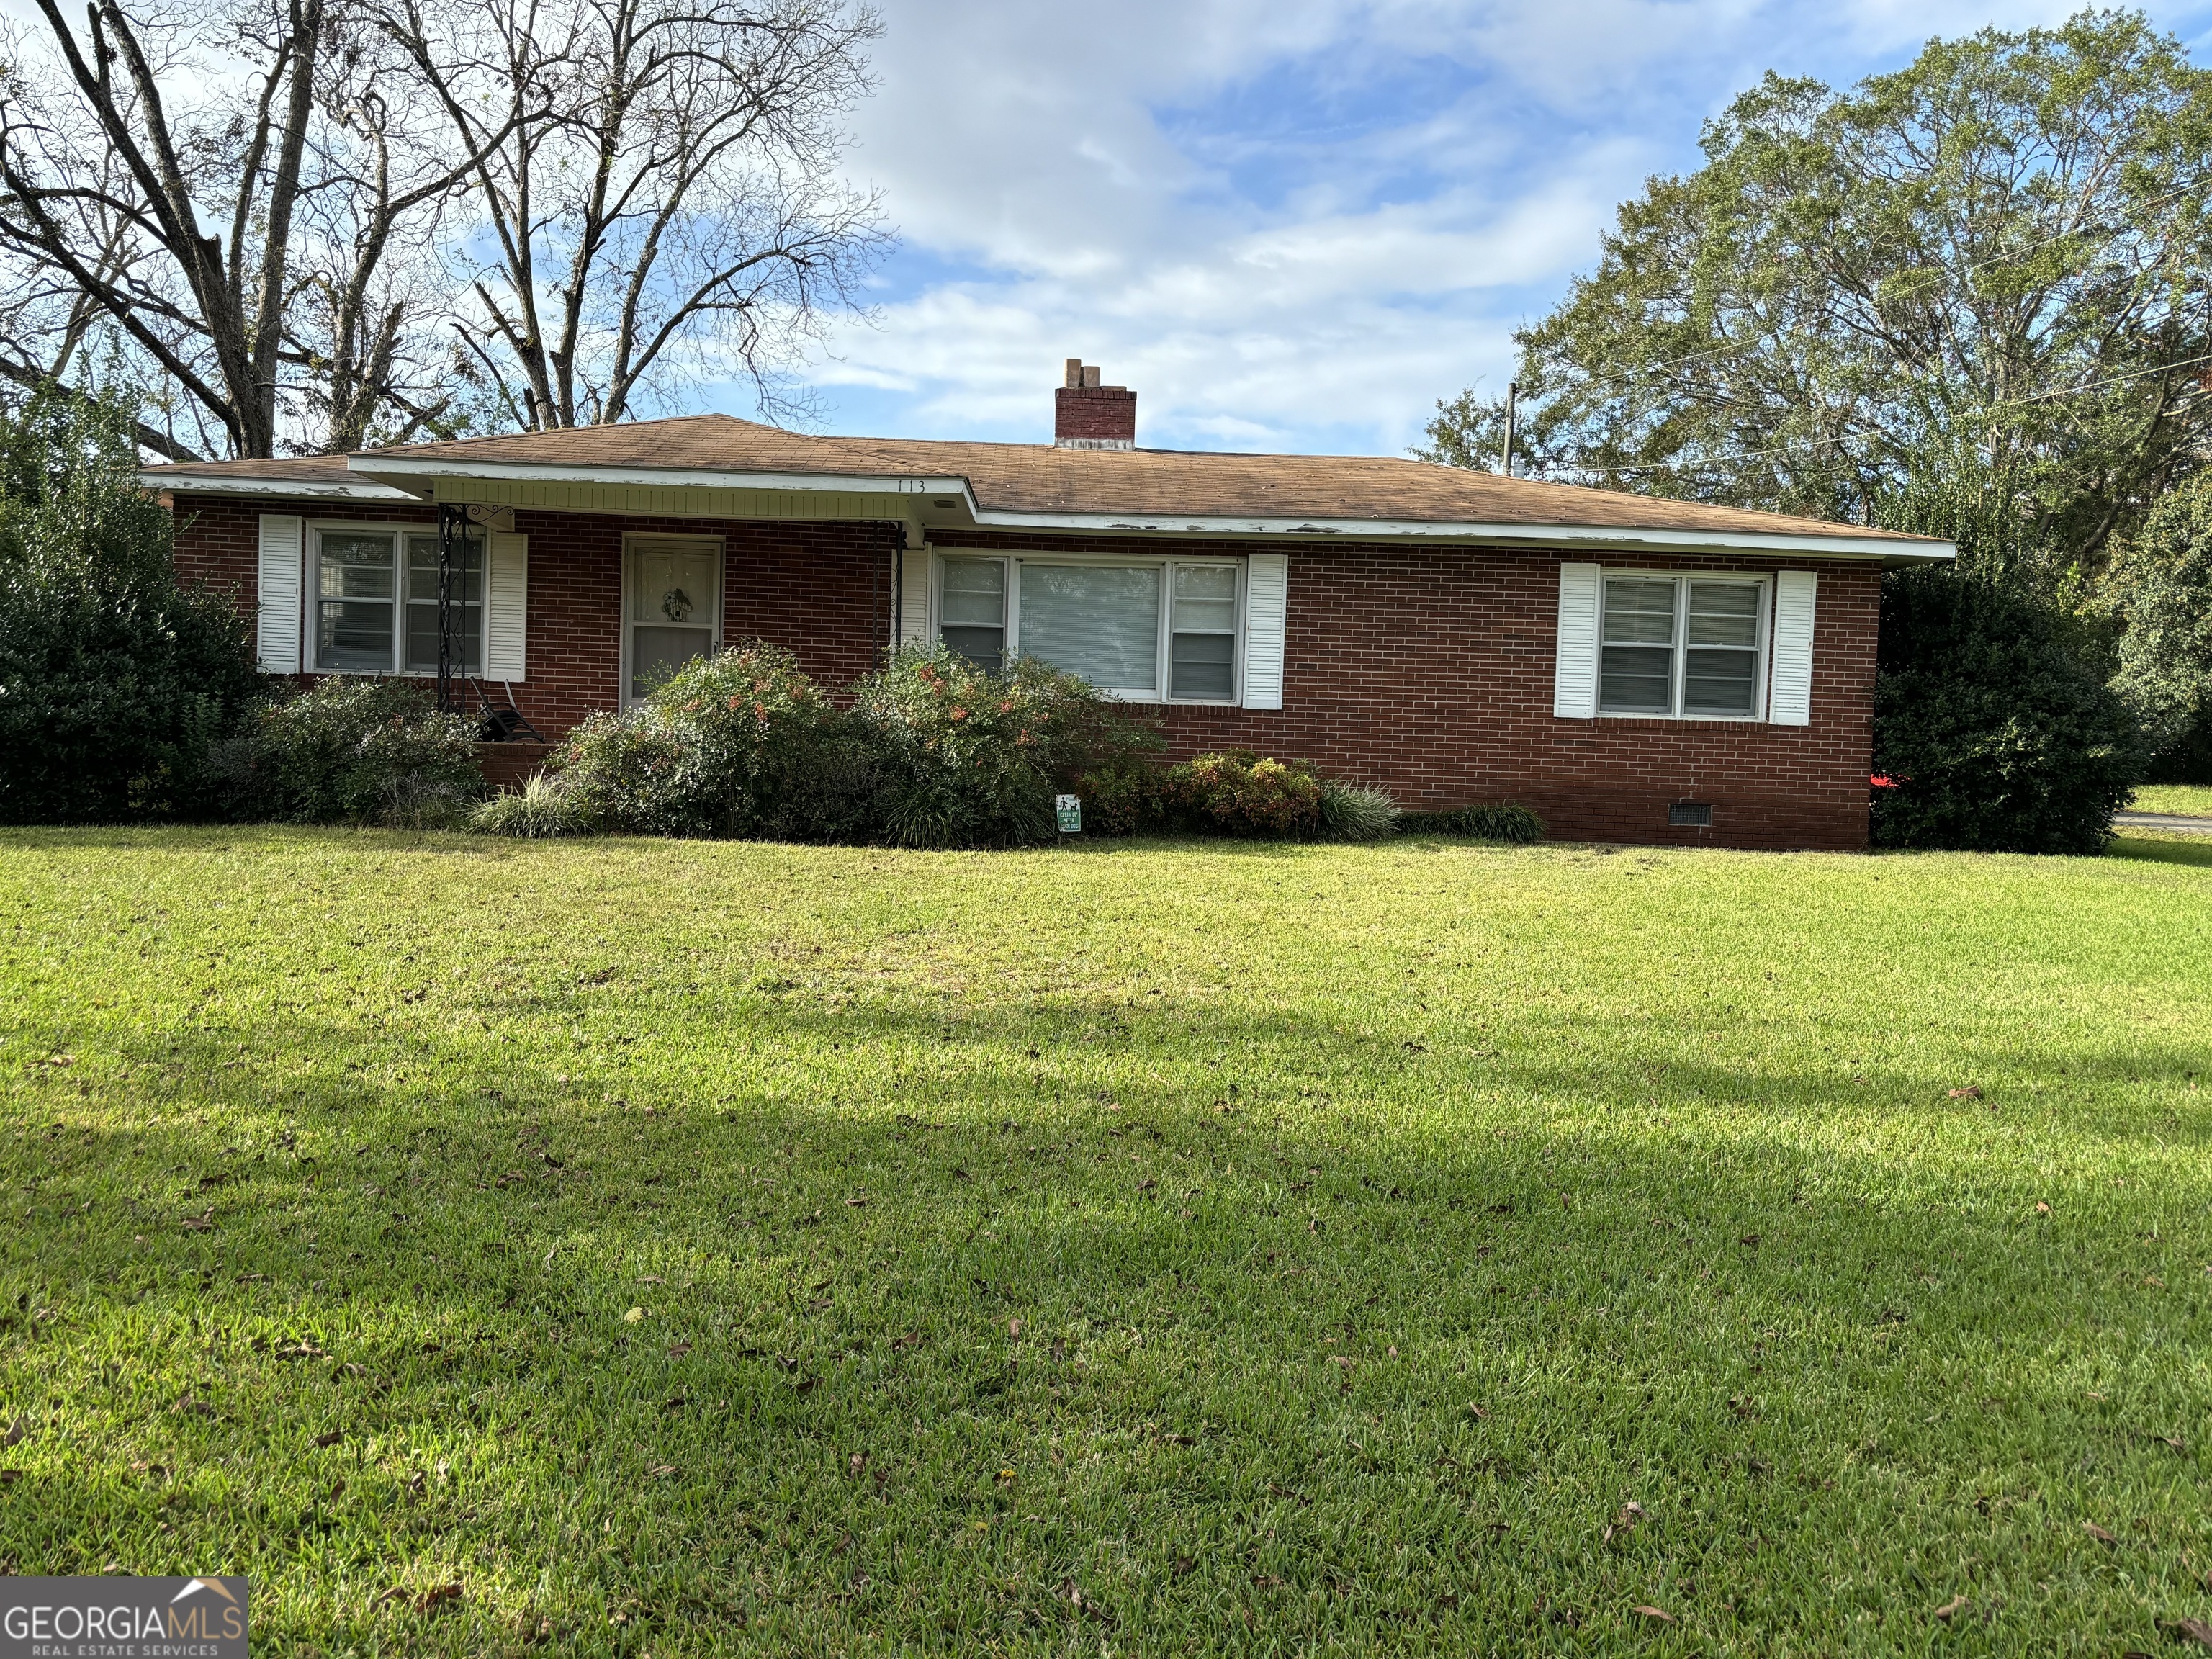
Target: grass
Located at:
point(1160, 1247)
point(2186, 800)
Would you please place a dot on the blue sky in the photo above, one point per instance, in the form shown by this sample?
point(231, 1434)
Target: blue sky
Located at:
point(1291, 224)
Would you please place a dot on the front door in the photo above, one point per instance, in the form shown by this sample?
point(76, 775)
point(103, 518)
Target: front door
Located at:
point(675, 607)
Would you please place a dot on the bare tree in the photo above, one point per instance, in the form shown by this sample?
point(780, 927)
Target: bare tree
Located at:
point(658, 196)
point(225, 193)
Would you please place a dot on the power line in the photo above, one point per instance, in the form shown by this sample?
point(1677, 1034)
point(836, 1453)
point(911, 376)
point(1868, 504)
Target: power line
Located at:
point(1876, 432)
point(1615, 376)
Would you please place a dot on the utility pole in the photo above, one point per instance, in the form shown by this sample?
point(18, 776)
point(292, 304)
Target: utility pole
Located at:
point(1512, 396)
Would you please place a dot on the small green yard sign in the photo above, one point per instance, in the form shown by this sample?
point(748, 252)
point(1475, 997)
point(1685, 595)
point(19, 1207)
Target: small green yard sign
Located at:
point(1070, 811)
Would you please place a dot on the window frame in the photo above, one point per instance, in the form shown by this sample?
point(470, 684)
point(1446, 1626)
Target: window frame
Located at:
point(629, 624)
point(1763, 631)
point(1165, 564)
point(311, 591)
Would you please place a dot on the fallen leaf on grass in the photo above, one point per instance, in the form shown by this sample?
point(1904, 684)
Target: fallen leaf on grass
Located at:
point(16, 1430)
point(911, 1339)
point(859, 1203)
point(661, 1471)
point(332, 1439)
point(1082, 1604)
point(1969, 1092)
point(2193, 1630)
point(1750, 1240)
point(2098, 1533)
point(2042, 1208)
point(10, 1477)
point(1299, 1498)
point(1664, 1617)
point(1179, 1440)
point(1949, 1609)
point(1630, 1518)
point(302, 1350)
point(1014, 1328)
point(677, 1402)
point(679, 1350)
point(436, 1593)
point(200, 1224)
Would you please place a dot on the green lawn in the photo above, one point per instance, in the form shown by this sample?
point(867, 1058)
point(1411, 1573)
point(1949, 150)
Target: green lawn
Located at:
point(2190, 799)
point(1158, 1248)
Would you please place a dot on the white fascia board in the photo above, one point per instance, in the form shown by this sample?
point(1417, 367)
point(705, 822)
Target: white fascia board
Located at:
point(170, 484)
point(665, 478)
point(1623, 539)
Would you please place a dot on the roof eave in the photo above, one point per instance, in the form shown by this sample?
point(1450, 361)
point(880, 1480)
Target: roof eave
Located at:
point(1626, 538)
point(419, 478)
point(297, 489)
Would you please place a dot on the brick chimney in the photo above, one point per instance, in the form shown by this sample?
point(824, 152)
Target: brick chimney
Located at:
point(1088, 416)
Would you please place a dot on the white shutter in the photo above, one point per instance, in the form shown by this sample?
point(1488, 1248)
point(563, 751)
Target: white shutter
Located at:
point(1789, 694)
point(913, 595)
point(1266, 606)
point(506, 606)
point(276, 622)
point(1574, 674)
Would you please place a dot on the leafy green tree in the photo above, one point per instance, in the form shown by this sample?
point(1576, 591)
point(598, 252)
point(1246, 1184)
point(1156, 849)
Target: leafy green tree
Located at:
point(2159, 587)
point(114, 681)
point(1990, 267)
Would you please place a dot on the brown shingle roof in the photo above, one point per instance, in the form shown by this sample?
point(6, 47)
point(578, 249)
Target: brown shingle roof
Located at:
point(1152, 484)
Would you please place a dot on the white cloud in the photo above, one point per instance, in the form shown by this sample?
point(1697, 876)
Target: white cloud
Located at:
point(1289, 223)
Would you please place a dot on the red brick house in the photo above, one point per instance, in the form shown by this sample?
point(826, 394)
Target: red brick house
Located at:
point(1634, 668)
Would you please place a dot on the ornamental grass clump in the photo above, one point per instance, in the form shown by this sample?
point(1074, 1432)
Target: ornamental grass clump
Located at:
point(1355, 811)
point(540, 810)
point(1507, 821)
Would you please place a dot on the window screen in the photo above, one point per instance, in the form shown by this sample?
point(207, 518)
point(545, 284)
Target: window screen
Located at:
point(422, 605)
point(1674, 646)
point(354, 596)
point(973, 622)
point(1636, 674)
point(1202, 651)
point(1720, 671)
point(1101, 622)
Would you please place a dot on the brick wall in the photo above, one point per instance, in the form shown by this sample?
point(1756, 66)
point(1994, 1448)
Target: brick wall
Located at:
point(1426, 670)
point(822, 589)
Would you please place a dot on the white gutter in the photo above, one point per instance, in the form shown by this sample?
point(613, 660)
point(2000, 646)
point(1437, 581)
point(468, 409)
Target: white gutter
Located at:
point(1517, 535)
point(376, 466)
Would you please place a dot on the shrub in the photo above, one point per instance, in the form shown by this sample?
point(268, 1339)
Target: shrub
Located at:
point(354, 750)
point(114, 681)
point(1999, 737)
point(965, 758)
point(1240, 793)
point(540, 810)
point(740, 744)
point(1355, 811)
point(1120, 798)
point(1509, 822)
